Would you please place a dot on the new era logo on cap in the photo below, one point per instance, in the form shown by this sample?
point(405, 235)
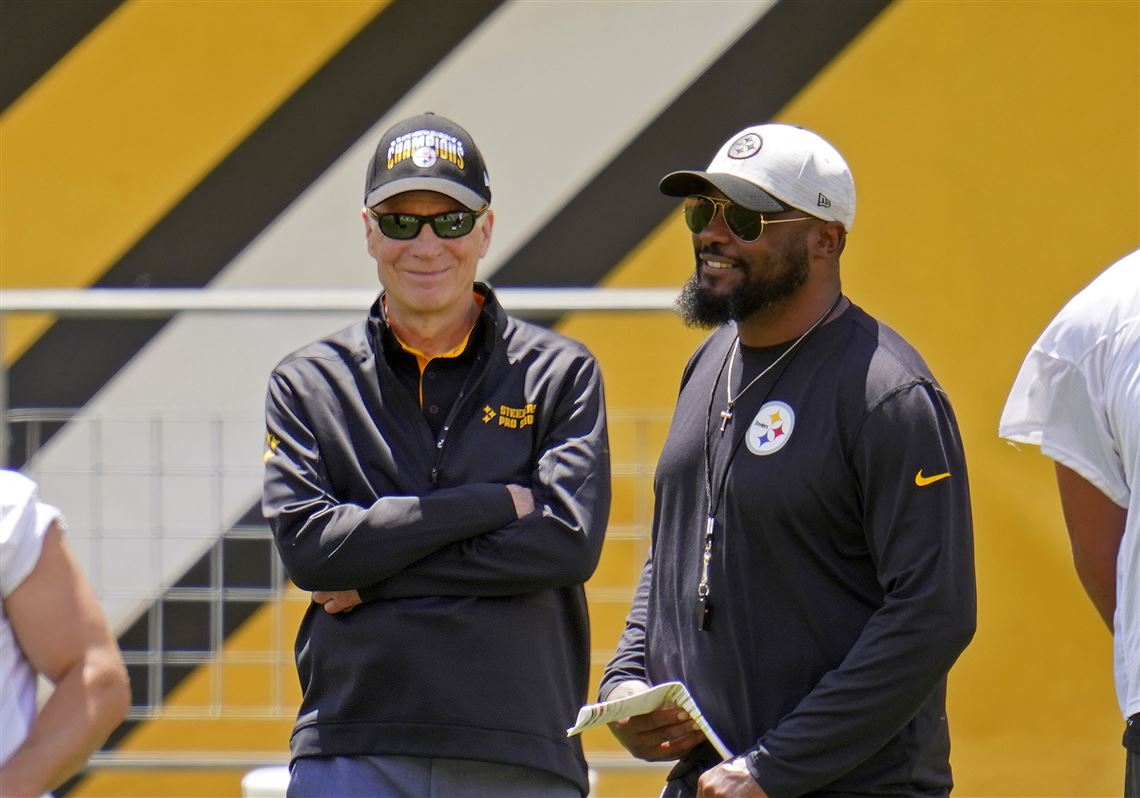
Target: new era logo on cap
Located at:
point(428, 153)
point(772, 168)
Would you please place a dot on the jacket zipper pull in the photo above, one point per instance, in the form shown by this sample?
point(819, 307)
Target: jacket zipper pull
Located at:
point(439, 449)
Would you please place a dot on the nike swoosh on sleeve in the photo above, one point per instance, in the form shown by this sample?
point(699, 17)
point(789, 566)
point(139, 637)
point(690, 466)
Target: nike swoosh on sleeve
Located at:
point(922, 481)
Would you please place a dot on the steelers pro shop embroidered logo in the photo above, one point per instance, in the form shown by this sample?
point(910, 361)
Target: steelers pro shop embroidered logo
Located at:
point(746, 146)
point(770, 429)
point(510, 417)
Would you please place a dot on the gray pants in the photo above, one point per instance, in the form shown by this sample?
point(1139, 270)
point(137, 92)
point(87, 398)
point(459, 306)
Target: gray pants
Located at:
point(420, 777)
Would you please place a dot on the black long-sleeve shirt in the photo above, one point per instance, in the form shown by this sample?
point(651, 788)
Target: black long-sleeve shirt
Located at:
point(841, 579)
point(473, 641)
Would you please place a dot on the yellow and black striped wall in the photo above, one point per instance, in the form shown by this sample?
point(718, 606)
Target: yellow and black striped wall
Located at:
point(222, 145)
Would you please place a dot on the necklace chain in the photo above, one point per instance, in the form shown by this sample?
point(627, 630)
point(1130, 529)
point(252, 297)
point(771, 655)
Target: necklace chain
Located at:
point(703, 605)
point(726, 414)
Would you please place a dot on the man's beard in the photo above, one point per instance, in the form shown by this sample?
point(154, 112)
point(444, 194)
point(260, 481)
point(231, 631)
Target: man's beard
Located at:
point(786, 271)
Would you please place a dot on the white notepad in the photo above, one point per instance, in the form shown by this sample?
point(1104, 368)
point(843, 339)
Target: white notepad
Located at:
point(593, 715)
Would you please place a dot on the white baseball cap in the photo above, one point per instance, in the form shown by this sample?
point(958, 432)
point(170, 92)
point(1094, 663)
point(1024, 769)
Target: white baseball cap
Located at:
point(776, 168)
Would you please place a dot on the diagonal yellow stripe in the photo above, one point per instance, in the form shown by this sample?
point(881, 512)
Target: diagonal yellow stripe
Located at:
point(133, 117)
point(994, 179)
point(246, 702)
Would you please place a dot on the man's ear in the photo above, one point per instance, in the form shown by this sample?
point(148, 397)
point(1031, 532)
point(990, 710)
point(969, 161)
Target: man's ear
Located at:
point(485, 230)
point(830, 239)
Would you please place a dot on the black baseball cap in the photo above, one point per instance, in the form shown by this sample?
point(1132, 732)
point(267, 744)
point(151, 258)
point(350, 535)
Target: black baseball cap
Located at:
point(428, 153)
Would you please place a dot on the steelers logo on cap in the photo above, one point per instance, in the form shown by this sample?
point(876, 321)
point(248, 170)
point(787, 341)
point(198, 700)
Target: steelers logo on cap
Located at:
point(770, 429)
point(746, 146)
point(424, 157)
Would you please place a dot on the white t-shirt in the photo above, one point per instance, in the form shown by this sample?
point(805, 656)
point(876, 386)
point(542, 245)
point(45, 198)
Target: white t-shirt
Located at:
point(1078, 398)
point(24, 520)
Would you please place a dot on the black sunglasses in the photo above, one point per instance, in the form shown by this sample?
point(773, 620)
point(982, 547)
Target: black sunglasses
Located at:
point(406, 226)
point(745, 224)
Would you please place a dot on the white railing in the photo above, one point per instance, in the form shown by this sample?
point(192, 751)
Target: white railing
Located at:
point(160, 302)
point(136, 303)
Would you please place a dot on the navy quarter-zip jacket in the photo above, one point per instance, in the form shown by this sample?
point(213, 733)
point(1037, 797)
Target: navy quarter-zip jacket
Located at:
point(473, 638)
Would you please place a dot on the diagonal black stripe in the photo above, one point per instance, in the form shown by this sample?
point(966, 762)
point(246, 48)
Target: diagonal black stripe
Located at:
point(749, 84)
point(35, 34)
point(791, 43)
point(203, 233)
point(251, 187)
point(177, 622)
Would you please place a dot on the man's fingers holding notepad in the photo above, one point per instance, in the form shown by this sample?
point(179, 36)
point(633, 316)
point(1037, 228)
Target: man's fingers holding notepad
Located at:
point(679, 746)
point(665, 733)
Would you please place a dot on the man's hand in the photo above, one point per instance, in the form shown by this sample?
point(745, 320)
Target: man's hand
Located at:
point(523, 497)
point(663, 734)
point(729, 780)
point(335, 601)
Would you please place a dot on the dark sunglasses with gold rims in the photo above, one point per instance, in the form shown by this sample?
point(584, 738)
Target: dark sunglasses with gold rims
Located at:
point(745, 224)
point(406, 226)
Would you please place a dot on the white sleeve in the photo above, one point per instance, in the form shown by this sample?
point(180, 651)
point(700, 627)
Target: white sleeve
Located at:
point(24, 520)
point(1060, 406)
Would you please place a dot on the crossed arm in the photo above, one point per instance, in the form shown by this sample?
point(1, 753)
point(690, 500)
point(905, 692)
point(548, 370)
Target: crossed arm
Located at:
point(334, 601)
point(61, 630)
point(476, 539)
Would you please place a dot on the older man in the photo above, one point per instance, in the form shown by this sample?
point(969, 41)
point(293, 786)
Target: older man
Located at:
point(438, 476)
point(811, 575)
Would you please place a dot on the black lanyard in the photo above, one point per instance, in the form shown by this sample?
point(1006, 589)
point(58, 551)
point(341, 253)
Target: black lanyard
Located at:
point(714, 498)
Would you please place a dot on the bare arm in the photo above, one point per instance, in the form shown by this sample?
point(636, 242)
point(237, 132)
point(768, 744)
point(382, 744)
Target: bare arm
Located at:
point(1096, 527)
point(61, 630)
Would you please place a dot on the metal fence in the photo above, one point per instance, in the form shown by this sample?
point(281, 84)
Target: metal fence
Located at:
point(179, 578)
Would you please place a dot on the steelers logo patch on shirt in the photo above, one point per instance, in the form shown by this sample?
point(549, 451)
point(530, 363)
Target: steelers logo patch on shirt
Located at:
point(770, 429)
